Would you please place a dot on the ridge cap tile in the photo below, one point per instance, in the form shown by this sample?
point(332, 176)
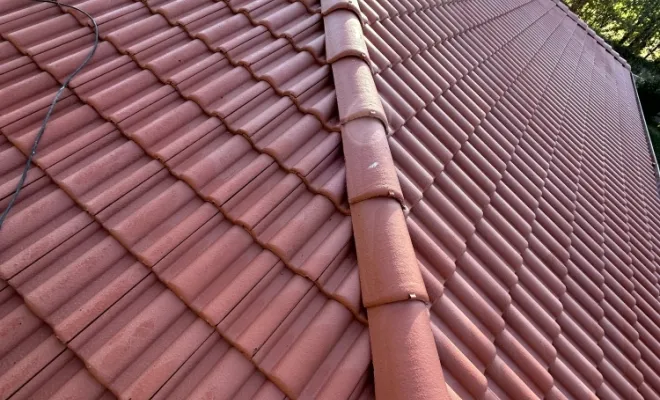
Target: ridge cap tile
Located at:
point(405, 346)
point(357, 95)
point(391, 279)
point(344, 36)
point(385, 253)
point(371, 170)
point(328, 6)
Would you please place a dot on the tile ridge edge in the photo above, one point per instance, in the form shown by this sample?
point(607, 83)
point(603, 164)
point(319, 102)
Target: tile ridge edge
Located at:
point(394, 293)
point(599, 40)
point(649, 142)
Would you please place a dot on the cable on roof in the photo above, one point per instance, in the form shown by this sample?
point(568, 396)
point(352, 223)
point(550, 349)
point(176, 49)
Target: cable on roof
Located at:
point(42, 129)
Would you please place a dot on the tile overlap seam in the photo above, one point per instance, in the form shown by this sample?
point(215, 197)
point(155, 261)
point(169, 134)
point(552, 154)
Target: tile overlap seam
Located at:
point(238, 63)
point(150, 273)
point(130, 251)
point(262, 244)
point(340, 207)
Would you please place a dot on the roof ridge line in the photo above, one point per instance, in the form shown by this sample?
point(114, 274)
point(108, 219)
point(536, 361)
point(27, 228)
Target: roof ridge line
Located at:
point(404, 353)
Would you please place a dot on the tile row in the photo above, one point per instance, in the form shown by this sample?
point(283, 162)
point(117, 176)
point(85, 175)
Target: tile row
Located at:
point(248, 183)
point(499, 234)
point(217, 30)
point(34, 363)
point(114, 83)
point(460, 100)
point(504, 211)
point(164, 224)
point(98, 165)
point(275, 20)
point(135, 334)
point(396, 38)
point(289, 21)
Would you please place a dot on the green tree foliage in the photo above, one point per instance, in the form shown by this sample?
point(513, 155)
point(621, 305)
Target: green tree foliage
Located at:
point(632, 24)
point(633, 28)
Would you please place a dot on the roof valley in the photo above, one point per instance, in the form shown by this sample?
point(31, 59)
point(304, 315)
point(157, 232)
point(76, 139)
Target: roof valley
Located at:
point(392, 287)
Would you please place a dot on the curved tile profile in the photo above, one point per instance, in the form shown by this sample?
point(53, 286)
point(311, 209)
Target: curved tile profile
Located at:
point(35, 364)
point(192, 80)
point(522, 224)
point(173, 36)
point(392, 285)
point(128, 160)
point(184, 230)
point(343, 35)
point(12, 168)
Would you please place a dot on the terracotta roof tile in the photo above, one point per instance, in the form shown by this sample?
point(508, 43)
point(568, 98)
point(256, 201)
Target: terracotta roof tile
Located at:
point(35, 363)
point(385, 258)
point(185, 228)
point(11, 168)
point(344, 35)
point(366, 151)
point(145, 163)
point(539, 201)
point(358, 94)
point(328, 6)
point(411, 333)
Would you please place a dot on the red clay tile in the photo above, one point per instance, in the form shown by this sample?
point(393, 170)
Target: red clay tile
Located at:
point(28, 351)
point(383, 253)
point(357, 94)
point(163, 328)
point(341, 278)
point(526, 234)
point(64, 377)
point(133, 204)
point(73, 284)
point(328, 6)
point(369, 162)
point(12, 169)
point(461, 375)
point(344, 36)
point(44, 218)
point(407, 324)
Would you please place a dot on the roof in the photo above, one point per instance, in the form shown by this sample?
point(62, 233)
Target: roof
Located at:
point(270, 199)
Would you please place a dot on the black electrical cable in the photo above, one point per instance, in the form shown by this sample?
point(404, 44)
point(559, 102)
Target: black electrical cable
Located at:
point(37, 139)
